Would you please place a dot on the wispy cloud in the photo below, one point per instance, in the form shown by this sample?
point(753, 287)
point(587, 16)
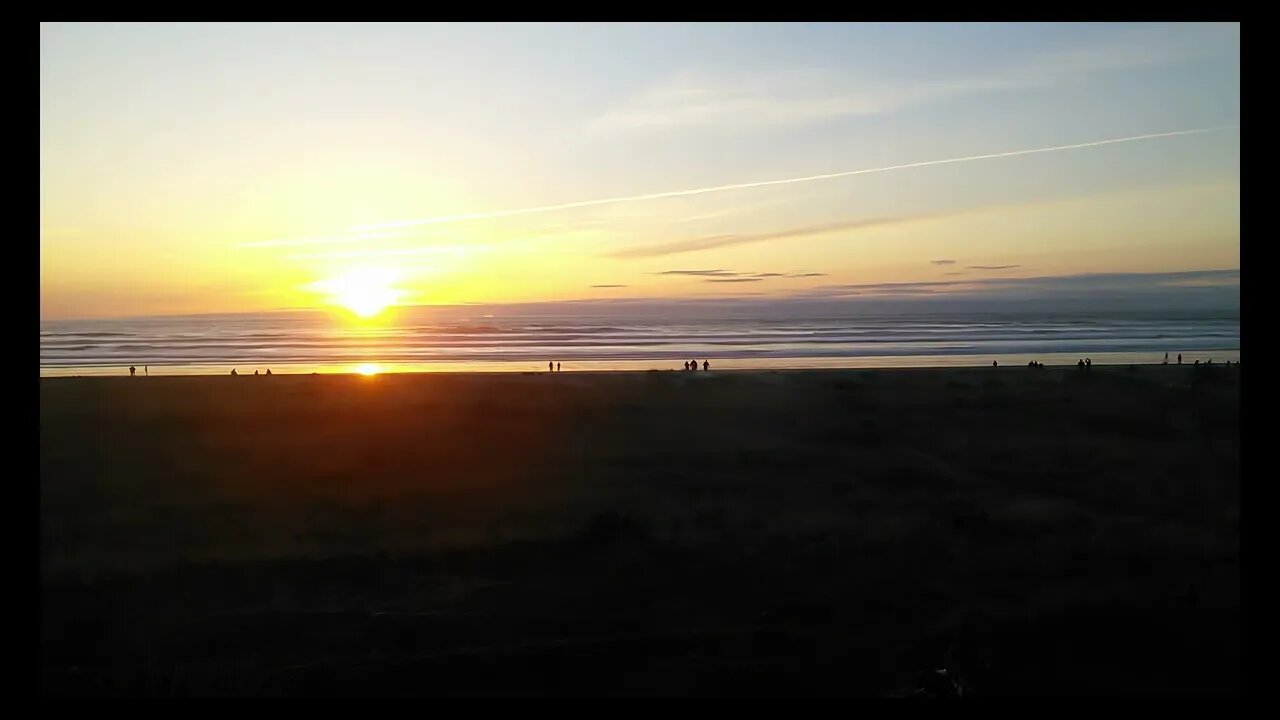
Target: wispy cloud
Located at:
point(733, 280)
point(608, 286)
point(943, 262)
point(732, 274)
point(714, 241)
point(694, 98)
point(1045, 285)
point(710, 273)
point(992, 267)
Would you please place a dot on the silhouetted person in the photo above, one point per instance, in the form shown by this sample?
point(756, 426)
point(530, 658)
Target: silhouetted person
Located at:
point(686, 364)
point(1166, 359)
point(132, 370)
point(551, 367)
point(1210, 361)
point(706, 364)
point(255, 372)
point(1179, 358)
point(1197, 362)
point(147, 370)
point(557, 367)
point(995, 364)
point(268, 371)
point(1080, 364)
point(234, 373)
point(1088, 363)
point(693, 364)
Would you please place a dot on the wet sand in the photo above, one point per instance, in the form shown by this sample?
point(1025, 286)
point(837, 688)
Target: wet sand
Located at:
point(841, 532)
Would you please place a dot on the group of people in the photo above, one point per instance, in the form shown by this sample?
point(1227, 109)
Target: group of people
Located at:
point(1084, 364)
point(693, 365)
point(255, 372)
point(146, 370)
point(550, 367)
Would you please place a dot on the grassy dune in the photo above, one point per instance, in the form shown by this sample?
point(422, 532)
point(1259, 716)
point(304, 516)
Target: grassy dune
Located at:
point(816, 532)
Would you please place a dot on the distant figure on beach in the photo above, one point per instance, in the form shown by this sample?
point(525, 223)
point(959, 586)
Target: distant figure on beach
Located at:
point(550, 366)
point(1197, 362)
point(557, 367)
point(686, 364)
point(132, 370)
point(1088, 363)
point(1179, 358)
point(995, 364)
point(146, 369)
point(1166, 358)
point(1210, 361)
point(693, 364)
point(706, 365)
point(268, 371)
point(234, 373)
point(1080, 364)
point(255, 372)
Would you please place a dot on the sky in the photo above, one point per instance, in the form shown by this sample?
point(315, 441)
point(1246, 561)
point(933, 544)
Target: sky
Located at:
point(203, 168)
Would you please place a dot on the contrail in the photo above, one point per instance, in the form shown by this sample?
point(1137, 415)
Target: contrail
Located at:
point(786, 181)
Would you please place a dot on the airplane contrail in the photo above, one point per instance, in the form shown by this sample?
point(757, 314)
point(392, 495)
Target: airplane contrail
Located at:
point(784, 181)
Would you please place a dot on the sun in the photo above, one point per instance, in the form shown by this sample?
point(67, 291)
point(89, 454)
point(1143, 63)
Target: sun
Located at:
point(365, 291)
point(368, 369)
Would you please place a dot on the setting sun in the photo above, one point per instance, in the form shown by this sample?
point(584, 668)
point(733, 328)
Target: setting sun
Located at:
point(368, 369)
point(364, 291)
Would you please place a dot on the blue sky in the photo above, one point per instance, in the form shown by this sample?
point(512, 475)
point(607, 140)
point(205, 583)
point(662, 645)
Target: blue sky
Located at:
point(189, 168)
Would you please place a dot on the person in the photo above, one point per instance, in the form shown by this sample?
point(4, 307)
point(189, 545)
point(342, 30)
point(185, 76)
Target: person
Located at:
point(255, 372)
point(557, 367)
point(1088, 363)
point(693, 364)
point(995, 364)
point(268, 371)
point(686, 364)
point(550, 366)
point(1179, 358)
point(1166, 359)
point(132, 370)
point(1197, 362)
point(1080, 364)
point(233, 372)
point(706, 365)
point(147, 370)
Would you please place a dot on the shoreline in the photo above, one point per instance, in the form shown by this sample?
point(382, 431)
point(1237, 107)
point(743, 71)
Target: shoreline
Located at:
point(517, 367)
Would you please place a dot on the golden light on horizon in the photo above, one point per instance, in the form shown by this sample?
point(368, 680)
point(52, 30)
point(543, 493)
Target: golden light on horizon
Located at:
point(368, 369)
point(365, 291)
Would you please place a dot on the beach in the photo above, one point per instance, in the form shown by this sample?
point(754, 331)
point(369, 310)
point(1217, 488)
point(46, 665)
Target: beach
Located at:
point(823, 531)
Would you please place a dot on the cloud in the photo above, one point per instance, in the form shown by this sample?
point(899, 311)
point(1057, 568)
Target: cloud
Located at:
point(711, 273)
point(700, 99)
point(733, 280)
point(959, 272)
point(713, 241)
point(491, 214)
point(992, 267)
point(1086, 283)
point(943, 262)
point(731, 274)
point(608, 286)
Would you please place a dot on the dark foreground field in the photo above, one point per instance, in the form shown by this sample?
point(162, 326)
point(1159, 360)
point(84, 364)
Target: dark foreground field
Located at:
point(819, 532)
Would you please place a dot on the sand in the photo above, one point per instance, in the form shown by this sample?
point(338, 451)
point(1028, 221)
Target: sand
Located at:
point(840, 532)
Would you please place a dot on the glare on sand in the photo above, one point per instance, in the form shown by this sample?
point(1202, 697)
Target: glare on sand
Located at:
point(368, 369)
point(364, 291)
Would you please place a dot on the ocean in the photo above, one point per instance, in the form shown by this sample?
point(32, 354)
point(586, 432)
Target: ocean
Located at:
point(432, 339)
